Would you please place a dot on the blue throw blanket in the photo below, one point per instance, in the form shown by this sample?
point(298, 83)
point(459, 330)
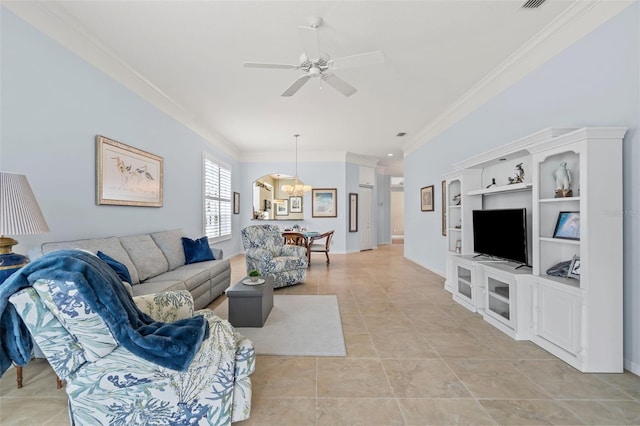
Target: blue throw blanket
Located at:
point(171, 345)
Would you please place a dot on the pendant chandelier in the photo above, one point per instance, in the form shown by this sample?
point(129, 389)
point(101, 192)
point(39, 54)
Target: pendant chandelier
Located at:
point(297, 189)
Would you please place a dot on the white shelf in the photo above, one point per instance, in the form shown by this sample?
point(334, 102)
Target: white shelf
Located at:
point(558, 200)
point(504, 188)
point(560, 241)
point(455, 207)
point(455, 229)
point(498, 297)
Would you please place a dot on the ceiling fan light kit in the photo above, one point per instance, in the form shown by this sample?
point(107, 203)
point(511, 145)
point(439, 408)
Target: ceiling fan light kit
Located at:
point(315, 63)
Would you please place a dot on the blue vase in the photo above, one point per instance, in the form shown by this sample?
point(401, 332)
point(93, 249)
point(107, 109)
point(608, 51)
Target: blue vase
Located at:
point(10, 263)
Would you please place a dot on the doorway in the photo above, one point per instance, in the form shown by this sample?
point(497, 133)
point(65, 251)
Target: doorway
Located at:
point(396, 213)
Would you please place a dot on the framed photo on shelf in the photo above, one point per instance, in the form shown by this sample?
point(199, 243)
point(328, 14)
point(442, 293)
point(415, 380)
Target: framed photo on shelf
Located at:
point(567, 226)
point(295, 204)
point(282, 208)
point(426, 198)
point(127, 176)
point(236, 203)
point(324, 202)
point(353, 212)
point(574, 268)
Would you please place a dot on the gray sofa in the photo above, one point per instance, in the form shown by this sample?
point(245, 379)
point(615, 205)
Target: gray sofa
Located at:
point(156, 263)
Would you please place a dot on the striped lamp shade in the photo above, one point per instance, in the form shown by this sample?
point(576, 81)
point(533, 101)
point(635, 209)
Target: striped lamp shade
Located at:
point(19, 210)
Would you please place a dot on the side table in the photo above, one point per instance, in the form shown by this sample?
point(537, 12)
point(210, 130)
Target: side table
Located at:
point(250, 305)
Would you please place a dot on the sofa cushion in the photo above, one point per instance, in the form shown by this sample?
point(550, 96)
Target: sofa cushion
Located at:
point(118, 268)
point(157, 287)
point(146, 255)
point(196, 250)
point(192, 278)
point(109, 246)
point(171, 246)
point(215, 267)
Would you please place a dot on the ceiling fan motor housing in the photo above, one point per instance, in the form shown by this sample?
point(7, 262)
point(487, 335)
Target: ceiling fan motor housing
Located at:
point(322, 63)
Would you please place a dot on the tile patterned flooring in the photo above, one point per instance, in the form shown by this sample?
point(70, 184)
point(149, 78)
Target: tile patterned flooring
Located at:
point(414, 358)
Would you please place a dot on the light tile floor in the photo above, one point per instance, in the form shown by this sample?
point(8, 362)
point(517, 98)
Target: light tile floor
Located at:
point(414, 358)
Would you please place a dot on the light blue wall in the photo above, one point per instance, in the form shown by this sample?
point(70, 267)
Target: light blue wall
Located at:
point(53, 106)
point(352, 179)
point(318, 175)
point(383, 209)
point(595, 82)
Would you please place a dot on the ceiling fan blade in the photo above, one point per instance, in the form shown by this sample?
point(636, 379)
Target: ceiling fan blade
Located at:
point(267, 65)
point(339, 84)
point(296, 85)
point(310, 42)
point(369, 58)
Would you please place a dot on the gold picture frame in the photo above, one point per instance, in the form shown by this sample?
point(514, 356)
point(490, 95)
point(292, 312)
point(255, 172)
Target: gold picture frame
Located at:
point(127, 176)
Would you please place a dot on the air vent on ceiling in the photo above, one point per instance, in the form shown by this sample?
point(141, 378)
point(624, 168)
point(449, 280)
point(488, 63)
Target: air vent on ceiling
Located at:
point(401, 134)
point(532, 4)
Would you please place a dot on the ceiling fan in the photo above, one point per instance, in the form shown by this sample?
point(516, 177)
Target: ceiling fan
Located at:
point(317, 64)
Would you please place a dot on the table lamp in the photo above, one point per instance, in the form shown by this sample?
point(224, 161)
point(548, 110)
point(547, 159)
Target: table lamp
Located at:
point(19, 215)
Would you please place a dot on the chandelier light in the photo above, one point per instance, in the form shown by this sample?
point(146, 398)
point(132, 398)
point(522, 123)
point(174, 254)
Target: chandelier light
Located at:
point(297, 189)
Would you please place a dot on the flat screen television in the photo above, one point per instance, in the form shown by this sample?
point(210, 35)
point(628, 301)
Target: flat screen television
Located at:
point(501, 233)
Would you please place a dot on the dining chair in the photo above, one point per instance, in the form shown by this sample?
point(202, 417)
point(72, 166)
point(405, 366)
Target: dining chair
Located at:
point(294, 238)
point(320, 247)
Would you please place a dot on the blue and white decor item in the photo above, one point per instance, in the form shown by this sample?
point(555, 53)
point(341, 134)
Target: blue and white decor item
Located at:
point(266, 252)
point(146, 360)
point(19, 215)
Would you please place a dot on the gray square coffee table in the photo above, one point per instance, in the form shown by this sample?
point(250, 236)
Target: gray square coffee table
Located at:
point(249, 305)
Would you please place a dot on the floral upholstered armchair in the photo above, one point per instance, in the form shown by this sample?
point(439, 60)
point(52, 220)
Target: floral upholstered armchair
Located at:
point(266, 252)
point(109, 384)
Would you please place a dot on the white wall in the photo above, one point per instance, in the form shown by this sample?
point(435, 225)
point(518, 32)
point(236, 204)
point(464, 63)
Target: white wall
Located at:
point(53, 106)
point(397, 212)
point(593, 83)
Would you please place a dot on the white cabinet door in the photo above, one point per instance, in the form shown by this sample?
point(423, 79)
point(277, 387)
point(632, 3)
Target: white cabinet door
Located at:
point(558, 317)
point(365, 218)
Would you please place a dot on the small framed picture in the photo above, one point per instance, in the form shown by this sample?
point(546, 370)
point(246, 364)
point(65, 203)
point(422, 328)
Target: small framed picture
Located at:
point(236, 203)
point(353, 212)
point(568, 226)
point(444, 208)
point(574, 268)
point(426, 198)
point(282, 208)
point(295, 204)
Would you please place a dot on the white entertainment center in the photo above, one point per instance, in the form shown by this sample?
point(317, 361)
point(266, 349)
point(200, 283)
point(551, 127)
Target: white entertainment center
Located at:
point(577, 319)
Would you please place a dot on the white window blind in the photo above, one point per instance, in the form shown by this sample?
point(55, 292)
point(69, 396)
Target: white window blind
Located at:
point(217, 200)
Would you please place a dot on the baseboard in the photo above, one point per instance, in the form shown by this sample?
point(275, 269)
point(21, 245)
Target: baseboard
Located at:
point(632, 367)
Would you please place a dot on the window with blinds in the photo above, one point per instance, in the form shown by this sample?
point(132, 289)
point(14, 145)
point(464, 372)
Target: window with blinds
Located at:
point(217, 200)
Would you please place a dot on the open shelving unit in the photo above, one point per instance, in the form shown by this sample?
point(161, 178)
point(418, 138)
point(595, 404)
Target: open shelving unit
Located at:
point(577, 319)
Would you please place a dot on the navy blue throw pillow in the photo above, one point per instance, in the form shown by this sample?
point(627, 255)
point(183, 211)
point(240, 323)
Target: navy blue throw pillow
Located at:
point(119, 268)
point(196, 250)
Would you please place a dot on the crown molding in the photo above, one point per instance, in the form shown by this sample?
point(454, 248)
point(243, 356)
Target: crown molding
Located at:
point(289, 156)
point(578, 20)
point(50, 19)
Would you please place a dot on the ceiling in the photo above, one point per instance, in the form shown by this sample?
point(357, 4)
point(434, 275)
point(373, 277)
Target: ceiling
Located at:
point(442, 58)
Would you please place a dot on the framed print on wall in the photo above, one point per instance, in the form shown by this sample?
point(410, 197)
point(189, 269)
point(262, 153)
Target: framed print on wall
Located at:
point(295, 204)
point(236, 203)
point(426, 198)
point(127, 176)
point(444, 208)
point(282, 208)
point(353, 212)
point(324, 202)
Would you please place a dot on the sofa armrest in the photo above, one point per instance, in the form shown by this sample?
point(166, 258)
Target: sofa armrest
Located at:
point(168, 306)
point(291, 250)
point(217, 253)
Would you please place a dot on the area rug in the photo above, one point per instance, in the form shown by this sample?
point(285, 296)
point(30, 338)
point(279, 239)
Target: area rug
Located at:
point(297, 325)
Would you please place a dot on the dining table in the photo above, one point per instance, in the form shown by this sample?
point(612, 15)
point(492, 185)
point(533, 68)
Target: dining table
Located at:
point(300, 238)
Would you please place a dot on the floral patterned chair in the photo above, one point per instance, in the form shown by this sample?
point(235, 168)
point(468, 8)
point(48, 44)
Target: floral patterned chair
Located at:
point(107, 384)
point(265, 251)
